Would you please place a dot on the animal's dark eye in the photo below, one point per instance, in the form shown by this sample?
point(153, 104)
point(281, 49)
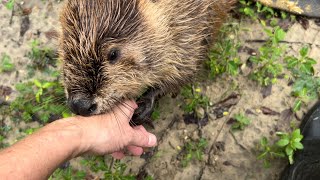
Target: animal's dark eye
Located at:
point(114, 55)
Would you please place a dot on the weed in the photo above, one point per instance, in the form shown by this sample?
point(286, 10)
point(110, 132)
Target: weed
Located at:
point(97, 164)
point(42, 58)
point(193, 150)
point(268, 66)
point(68, 174)
point(118, 172)
point(9, 4)
point(115, 172)
point(241, 122)
point(286, 146)
point(290, 143)
point(306, 86)
point(268, 152)
point(193, 99)
point(247, 8)
point(304, 64)
point(256, 10)
point(40, 100)
point(6, 64)
point(223, 57)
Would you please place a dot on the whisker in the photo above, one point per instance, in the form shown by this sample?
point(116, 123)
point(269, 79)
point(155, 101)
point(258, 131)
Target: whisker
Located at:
point(116, 118)
point(131, 123)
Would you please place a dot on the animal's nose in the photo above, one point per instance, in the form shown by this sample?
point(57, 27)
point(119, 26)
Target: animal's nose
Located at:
point(82, 107)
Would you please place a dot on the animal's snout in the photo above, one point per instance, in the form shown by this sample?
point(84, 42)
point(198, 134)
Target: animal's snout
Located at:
point(83, 106)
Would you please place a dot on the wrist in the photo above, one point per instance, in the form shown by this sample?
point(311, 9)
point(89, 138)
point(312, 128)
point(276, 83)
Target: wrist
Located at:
point(68, 131)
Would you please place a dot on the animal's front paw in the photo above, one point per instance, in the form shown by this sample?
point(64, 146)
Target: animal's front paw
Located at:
point(146, 105)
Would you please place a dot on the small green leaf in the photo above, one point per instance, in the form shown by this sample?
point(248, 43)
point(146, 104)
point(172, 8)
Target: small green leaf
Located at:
point(10, 4)
point(281, 134)
point(264, 141)
point(304, 51)
point(48, 85)
point(298, 145)
point(280, 34)
point(37, 83)
point(262, 155)
point(289, 150)
point(283, 142)
point(292, 62)
point(66, 115)
point(297, 106)
point(296, 134)
point(248, 11)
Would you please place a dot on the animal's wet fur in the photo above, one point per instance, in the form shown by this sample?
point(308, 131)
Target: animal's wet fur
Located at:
point(161, 44)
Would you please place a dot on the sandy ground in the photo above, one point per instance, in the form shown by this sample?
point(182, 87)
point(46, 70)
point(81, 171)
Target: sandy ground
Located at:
point(228, 157)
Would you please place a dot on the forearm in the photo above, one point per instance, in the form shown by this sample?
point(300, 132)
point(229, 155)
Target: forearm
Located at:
point(38, 155)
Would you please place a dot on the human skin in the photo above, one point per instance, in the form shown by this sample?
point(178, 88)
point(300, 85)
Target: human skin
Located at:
point(38, 155)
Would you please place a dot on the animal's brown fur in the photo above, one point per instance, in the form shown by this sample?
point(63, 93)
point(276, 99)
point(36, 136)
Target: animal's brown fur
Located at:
point(161, 43)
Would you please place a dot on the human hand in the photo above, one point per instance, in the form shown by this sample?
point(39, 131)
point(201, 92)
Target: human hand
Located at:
point(112, 133)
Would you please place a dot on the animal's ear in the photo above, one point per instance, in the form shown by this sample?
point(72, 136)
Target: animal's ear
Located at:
point(53, 34)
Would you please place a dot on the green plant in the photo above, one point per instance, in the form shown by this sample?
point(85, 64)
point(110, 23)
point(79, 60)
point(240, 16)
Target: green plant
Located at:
point(241, 122)
point(304, 64)
point(268, 152)
point(40, 100)
point(42, 87)
point(223, 56)
point(115, 172)
point(193, 99)
point(256, 10)
point(42, 59)
point(6, 64)
point(285, 146)
point(268, 65)
point(305, 88)
point(95, 163)
point(68, 174)
point(10, 4)
point(290, 143)
point(247, 8)
point(193, 150)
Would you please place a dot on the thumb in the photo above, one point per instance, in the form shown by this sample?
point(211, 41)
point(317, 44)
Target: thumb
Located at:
point(142, 138)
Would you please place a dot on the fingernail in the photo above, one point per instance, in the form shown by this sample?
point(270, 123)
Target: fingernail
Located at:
point(152, 140)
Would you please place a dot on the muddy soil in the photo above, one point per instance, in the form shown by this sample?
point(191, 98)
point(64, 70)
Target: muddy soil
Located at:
point(228, 155)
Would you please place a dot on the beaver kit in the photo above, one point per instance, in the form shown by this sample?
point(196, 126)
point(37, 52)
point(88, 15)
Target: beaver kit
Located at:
point(114, 50)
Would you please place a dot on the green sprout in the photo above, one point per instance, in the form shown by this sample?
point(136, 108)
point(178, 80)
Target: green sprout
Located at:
point(286, 146)
point(6, 64)
point(290, 143)
point(193, 150)
point(241, 122)
point(193, 99)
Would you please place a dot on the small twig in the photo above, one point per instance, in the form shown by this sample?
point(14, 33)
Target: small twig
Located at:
point(222, 126)
point(237, 142)
point(11, 17)
point(212, 148)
